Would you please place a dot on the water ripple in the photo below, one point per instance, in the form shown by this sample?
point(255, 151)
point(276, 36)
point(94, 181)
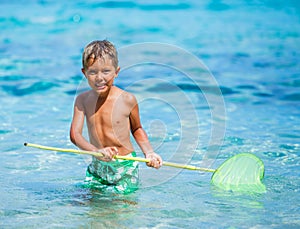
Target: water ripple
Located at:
point(291, 97)
point(20, 90)
point(133, 5)
point(165, 87)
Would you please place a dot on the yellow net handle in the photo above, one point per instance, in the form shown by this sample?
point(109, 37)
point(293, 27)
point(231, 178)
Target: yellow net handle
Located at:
point(170, 164)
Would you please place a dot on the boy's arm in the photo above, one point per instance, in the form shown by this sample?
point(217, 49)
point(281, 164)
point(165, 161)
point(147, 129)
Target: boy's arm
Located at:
point(141, 138)
point(77, 125)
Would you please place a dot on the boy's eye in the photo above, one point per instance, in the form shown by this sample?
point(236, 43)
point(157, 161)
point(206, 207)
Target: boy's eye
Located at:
point(106, 71)
point(92, 72)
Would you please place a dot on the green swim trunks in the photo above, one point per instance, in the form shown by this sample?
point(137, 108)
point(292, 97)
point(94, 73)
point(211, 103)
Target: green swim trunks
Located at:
point(119, 176)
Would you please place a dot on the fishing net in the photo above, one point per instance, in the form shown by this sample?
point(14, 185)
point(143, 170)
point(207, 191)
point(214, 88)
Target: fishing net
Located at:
point(243, 172)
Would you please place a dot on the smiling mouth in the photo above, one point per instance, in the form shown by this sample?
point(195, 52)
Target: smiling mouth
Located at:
point(100, 86)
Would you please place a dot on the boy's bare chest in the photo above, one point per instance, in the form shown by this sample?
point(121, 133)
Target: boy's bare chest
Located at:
point(108, 114)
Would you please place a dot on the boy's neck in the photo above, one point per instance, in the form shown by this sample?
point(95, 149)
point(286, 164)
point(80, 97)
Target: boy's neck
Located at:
point(102, 96)
point(100, 100)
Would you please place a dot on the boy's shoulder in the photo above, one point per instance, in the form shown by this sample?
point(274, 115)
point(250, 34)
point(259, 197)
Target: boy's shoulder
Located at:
point(125, 95)
point(83, 95)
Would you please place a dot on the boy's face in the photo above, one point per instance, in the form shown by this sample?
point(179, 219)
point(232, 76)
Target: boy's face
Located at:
point(101, 75)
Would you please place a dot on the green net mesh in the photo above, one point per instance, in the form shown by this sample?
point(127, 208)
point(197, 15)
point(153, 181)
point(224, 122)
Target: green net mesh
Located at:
point(243, 172)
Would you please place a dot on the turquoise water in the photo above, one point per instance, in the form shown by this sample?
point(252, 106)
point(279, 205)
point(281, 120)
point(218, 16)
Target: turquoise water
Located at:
point(242, 96)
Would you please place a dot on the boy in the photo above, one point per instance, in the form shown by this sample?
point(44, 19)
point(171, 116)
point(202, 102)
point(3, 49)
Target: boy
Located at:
point(111, 114)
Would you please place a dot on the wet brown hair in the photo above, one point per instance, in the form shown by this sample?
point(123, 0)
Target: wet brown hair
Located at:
point(99, 49)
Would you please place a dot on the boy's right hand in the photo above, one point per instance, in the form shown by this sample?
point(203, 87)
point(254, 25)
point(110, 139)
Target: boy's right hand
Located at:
point(108, 153)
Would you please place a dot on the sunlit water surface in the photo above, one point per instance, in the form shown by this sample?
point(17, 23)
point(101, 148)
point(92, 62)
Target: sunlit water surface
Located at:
point(252, 50)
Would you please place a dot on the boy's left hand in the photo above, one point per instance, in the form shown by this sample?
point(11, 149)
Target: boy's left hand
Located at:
point(155, 160)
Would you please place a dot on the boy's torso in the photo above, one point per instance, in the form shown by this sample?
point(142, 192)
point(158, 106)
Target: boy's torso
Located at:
point(108, 120)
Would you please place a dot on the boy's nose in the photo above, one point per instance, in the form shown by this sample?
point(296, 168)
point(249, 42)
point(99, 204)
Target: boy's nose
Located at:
point(99, 76)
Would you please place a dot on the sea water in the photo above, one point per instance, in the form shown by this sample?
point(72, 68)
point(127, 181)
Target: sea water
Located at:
point(213, 79)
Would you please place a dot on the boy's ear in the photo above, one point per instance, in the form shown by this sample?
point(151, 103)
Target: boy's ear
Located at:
point(83, 71)
point(117, 71)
